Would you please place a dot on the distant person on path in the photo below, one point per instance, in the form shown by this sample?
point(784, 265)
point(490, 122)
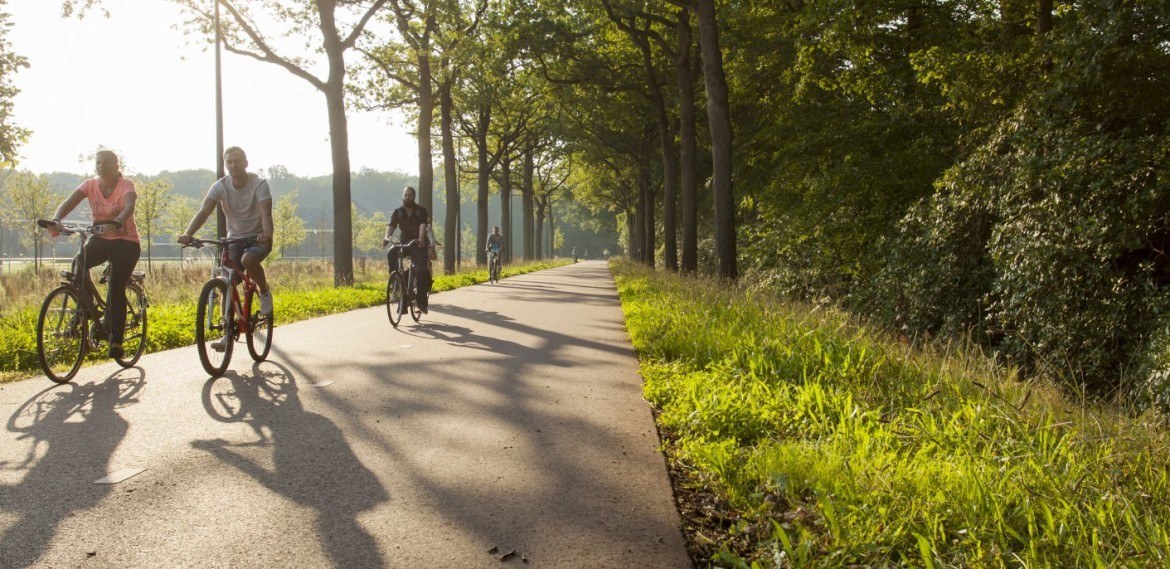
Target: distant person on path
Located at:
point(412, 220)
point(574, 254)
point(246, 200)
point(495, 241)
point(111, 199)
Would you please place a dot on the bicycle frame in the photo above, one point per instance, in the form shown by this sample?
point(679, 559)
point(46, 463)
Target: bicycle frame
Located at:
point(227, 270)
point(87, 292)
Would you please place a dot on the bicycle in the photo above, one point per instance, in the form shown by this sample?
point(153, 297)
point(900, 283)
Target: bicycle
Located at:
point(221, 315)
point(493, 266)
point(402, 286)
point(71, 321)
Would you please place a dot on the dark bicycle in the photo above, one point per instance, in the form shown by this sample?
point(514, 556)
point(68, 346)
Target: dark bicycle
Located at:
point(222, 315)
point(494, 266)
point(72, 318)
point(402, 286)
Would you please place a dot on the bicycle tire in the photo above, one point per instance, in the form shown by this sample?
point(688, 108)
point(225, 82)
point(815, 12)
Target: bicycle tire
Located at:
point(259, 334)
point(134, 337)
point(214, 324)
point(62, 326)
point(393, 299)
point(412, 285)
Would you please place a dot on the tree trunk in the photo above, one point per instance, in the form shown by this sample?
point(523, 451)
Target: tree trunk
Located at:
point(646, 188)
point(552, 232)
point(640, 221)
point(426, 112)
point(631, 234)
point(450, 174)
point(688, 152)
point(670, 174)
point(538, 232)
point(342, 220)
point(719, 117)
point(506, 207)
point(481, 202)
point(526, 190)
point(1044, 17)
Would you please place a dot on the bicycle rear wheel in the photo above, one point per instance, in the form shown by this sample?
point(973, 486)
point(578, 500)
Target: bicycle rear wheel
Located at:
point(213, 328)
point(134, 340)
point(61, 329)
point(394, 299)
point(412, 286)
point(259, 329)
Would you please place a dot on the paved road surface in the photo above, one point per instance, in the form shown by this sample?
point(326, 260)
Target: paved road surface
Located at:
point(510, 418)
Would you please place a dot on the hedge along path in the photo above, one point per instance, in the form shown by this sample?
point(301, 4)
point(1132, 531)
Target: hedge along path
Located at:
point(173, 325)
point(833, 445)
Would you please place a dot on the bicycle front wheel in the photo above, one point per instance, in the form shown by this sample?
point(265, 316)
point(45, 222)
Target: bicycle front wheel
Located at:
point(61, 330)
point(259, 329)
point(394, 299)
point(134, 340)
point(412, 286)
point(213, 328)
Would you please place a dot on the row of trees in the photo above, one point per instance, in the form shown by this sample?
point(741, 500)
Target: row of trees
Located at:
point(949, 167)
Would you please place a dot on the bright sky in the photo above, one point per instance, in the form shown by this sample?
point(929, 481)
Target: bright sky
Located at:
point(134, 84)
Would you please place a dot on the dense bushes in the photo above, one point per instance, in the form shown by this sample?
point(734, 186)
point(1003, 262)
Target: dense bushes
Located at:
point(1037, 219)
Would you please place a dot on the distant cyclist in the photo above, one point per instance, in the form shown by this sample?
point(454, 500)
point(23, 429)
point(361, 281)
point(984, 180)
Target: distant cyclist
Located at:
point(247, 205)
point(495, 241)
point(412, 219)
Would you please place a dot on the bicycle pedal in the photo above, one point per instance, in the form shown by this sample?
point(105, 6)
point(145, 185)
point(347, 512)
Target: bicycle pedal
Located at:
point(218, 346)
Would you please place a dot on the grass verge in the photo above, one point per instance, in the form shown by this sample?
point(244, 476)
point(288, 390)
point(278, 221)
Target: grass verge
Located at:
point(800, 438)
point(171, 322)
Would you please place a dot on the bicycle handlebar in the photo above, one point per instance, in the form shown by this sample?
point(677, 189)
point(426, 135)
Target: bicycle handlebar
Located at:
point(96, 228)
point(199, 243)
point(406, 245)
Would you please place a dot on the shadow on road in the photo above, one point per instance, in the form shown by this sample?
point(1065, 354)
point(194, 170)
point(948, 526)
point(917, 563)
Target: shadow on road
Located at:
point(314, 465)
point(74, 431)
point(514, 388)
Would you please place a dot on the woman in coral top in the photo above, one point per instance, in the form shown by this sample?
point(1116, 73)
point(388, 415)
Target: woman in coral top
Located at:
point(111, 198)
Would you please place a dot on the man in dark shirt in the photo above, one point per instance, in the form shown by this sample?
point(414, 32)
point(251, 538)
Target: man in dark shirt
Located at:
point(412, 219)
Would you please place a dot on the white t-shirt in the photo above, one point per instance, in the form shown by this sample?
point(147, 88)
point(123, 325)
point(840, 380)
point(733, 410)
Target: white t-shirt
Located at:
point(241, 206)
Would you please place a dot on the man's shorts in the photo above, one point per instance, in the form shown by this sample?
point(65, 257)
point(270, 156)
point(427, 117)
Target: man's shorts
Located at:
point(237, 250)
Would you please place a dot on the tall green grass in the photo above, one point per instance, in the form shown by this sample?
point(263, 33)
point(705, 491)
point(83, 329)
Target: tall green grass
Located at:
point(834, 445)
point(297, 295)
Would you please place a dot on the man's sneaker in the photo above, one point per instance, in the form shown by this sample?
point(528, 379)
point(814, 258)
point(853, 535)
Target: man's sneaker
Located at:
point(116, 350)
point(217, 345)
point(423, 309)
point(266, 303)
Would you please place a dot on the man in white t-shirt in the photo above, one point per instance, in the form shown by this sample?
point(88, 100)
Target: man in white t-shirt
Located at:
point(247, 205)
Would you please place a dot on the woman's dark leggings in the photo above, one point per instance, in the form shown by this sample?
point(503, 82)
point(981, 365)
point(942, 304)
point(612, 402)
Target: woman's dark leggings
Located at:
point(123, 256)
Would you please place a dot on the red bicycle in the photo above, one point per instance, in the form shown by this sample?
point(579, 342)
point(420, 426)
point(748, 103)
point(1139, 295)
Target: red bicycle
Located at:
point(222, 315)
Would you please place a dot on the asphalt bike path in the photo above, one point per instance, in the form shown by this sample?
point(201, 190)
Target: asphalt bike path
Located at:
point(505, 429)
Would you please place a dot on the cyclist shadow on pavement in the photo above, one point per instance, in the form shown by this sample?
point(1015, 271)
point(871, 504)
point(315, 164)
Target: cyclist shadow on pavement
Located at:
point(74, 431)
point(313, 465)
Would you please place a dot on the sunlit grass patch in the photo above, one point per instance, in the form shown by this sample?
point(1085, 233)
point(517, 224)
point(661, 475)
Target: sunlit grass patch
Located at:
point(835, 445)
